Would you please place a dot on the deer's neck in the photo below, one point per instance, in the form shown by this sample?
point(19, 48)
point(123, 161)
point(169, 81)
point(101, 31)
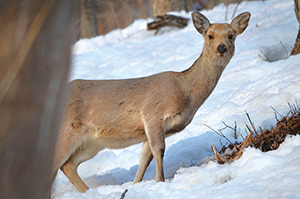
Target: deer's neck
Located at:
point(201, 79)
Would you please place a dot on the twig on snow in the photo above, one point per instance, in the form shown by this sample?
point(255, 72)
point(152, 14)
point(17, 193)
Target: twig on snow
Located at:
point(123, 194)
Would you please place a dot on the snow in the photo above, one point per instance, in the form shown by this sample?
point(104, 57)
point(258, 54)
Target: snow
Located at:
point(248, 83)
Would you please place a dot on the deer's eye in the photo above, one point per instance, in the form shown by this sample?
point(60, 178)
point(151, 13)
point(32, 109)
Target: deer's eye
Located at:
point(210, 37)
point(230, 37)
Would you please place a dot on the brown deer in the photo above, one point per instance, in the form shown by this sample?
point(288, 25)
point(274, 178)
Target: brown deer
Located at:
point(118, 113)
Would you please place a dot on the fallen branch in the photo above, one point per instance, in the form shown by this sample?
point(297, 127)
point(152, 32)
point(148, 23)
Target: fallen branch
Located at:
point(123, 194)
point(218, 156)
point(235, 155)
point(167, 20)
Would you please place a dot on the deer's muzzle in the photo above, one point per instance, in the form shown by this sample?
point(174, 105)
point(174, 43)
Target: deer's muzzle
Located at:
point(222, 48)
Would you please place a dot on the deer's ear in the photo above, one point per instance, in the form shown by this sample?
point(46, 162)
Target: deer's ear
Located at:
point(201, 23)
point(240, 22)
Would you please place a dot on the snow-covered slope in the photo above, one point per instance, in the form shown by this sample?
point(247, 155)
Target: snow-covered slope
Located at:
point(248, 83)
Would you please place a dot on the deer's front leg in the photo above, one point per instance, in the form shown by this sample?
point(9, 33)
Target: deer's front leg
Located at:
point(156, 138)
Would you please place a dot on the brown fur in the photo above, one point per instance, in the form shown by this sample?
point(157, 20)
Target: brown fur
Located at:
point(118, 113)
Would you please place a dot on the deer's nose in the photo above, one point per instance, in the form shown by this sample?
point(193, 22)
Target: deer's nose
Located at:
point(222, 48)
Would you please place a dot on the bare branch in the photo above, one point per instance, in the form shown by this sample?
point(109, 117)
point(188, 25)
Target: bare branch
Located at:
point(276, 112)
point(248, 128)
point(245, 144)
point(123, 194)
point(219, 158)
point(219, 133)
point(251, 123)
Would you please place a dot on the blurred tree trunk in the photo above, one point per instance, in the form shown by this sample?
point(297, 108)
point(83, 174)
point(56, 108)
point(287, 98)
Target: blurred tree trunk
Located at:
point(35, 44)
point(184, 5)
point(296, 49)
point(161, 7)
point(143, 8)
point(88, 23)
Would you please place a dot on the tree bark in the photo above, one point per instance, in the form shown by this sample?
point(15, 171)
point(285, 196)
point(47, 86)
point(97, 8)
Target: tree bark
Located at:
point(89, 27)
point(161, 7)
point(35, 44)
point(296, 49)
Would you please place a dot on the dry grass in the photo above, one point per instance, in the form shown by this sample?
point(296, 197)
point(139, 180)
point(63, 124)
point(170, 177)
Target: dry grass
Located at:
point(266, 140)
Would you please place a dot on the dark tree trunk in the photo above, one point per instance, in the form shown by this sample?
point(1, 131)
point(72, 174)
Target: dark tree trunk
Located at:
point(89, 26)
point(35, 44)
point(296, 49)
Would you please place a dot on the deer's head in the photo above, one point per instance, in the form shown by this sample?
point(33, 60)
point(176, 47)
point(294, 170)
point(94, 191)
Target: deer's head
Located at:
point(219, 38)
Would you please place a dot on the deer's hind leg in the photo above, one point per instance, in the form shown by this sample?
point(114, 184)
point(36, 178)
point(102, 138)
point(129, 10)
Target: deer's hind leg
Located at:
point(85, 152)
point(70, 170)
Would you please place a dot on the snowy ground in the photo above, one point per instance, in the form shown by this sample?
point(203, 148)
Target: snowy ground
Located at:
point(248, 83)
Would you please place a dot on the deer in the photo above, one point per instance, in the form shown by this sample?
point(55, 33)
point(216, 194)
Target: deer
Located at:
point(115, 114)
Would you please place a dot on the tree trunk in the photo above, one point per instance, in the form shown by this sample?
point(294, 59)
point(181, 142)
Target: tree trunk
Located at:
point(35, 44)
point(143, 9)
point(296, 49)
point(88, 23)
point(161, 7)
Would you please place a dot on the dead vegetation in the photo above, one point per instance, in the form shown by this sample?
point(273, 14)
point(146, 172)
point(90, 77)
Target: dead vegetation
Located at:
point(167, 20)
point(266, 140)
